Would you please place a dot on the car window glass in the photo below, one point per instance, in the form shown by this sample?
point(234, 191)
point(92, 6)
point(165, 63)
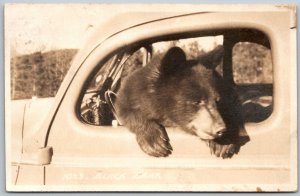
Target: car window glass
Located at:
point(253, 74)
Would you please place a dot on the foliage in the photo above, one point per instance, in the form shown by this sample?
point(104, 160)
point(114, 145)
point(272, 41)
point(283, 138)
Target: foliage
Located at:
point(252, 63)
point(39, 74)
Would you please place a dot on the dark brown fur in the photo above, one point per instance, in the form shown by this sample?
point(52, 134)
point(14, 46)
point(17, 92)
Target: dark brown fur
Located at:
point(170, 89)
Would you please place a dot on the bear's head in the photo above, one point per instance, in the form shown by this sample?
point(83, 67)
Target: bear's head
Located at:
point(195, 91)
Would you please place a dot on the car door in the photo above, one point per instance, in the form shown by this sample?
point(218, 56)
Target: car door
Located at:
point(109, 158)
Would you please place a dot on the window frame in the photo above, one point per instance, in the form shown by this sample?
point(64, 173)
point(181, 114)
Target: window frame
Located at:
point(142, 35)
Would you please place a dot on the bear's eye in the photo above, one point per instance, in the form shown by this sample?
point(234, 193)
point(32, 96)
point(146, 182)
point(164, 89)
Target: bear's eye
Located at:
point(194, 102)
point(191, 103)
point(201, 102)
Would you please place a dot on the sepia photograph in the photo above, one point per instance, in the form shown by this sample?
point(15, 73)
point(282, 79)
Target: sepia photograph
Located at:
point(151, 97)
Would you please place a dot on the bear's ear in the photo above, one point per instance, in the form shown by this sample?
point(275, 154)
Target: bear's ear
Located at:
point(213, 58)
point(173, 60)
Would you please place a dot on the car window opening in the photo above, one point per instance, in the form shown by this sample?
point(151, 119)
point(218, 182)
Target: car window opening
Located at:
point(251, 70)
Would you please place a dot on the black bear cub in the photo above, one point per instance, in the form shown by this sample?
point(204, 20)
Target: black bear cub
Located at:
point(188, 93)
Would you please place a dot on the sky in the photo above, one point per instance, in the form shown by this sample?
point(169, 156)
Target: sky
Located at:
point(32, 28)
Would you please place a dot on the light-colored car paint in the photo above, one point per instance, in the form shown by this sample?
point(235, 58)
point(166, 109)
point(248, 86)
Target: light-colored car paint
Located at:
point(106, 158)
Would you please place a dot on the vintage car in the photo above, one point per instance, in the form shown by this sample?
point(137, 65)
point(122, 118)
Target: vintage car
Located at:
point(74, 142)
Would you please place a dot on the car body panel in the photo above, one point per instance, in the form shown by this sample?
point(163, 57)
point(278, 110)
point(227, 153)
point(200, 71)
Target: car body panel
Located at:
point(106, 158)
point(25, 114)
point(17, 115)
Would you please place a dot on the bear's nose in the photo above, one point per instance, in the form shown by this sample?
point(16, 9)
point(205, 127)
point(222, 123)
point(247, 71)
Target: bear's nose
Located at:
point(220, 132)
